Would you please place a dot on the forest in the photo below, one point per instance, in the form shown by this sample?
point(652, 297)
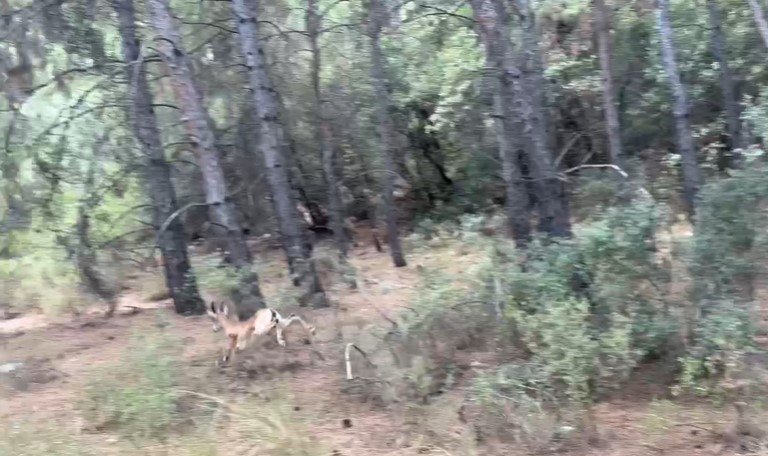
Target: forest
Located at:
point(383, 227)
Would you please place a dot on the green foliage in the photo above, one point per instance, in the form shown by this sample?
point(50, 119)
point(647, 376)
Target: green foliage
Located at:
point(137, 395)
point(728, 245)
point(595, 193)
point(721, 339)
point(217, 278)
point(42, 279)
point(582, 307)
point(730, 237)
point(518, 399)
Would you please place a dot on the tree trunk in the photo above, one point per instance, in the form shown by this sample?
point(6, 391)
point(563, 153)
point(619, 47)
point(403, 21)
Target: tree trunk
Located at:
point(385, 128)
point(759, 15)
point(691, 173)
point(554, 211)
point(489, 28)
point(85, 255)
point(324, 134)
point(179, 277)
point(727, 86)
point(248, 297)
point(610, 109)
point(274, 146)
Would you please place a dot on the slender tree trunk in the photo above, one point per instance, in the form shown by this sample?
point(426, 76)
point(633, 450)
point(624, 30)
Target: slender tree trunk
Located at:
point(727, 86)
point(554, 211)
point(385, 128)
point(168, 43)
point(86, 260)
point(179, 277)
point(324, 134)
point(489, 28)
point(274, 146)
point(691, 174)
point(610, 108)
point(759, 14)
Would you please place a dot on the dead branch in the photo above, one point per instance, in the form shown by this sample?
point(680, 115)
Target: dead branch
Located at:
point(349, 363)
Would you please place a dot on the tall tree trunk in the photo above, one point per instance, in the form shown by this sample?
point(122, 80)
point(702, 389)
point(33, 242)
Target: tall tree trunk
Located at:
point(85, 255)
point(727, 86)
point(324, 134)
point(248, 296)
point(274, 147)
point(759, 14)
point(554, 211)
point(385, 128)
point(179, 277)
point(602, 16)
point(489, 28)
point(691, 173)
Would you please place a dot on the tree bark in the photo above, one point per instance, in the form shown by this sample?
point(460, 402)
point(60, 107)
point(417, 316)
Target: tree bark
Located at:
point(554, 211)
point(507, 126)
point(179, 277)
point(385, 127)
point(274, 148)
point(691, 173)
point(602, 17)
point(85, 255)
point(727, 86)
point(169, 45)
point(324, 134)
point(759, 14)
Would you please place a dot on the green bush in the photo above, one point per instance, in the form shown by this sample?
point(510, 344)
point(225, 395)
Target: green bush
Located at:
point(596, 191)
point(519, 403)
point(730, 238)
point(137, 395)
point(582, 308)
point(727, 252)
point(722, 337)
point(45, 281)
point(213, 277)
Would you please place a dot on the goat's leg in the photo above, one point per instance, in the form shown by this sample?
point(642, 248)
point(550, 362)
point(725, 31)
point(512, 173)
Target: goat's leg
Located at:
point(279, 332)
point(230, 348)
point(285, 322)
point(244, 340)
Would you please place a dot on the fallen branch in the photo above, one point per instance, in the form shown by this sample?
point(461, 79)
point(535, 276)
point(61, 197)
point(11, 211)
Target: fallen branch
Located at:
point(349, 362)
point(621, 172)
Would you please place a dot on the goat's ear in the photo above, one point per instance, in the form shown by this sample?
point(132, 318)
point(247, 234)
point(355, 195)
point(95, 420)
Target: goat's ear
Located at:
point(212, 309)
point(225, 310)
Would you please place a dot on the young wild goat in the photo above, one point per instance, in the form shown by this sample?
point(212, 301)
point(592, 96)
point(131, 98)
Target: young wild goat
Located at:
point(261, 323)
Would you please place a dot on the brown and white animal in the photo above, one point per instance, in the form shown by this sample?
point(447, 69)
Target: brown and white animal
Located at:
point(261, 323)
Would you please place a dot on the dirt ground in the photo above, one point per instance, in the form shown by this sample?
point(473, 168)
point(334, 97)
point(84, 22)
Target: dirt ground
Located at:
point(69, 350)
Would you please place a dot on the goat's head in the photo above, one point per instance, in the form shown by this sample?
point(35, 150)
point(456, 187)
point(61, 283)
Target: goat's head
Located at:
point(216, 314)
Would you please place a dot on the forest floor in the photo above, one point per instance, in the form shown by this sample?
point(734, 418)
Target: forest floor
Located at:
point(71, 351)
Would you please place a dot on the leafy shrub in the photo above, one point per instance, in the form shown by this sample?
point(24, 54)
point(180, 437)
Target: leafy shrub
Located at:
point(519, 403)
point(722, 338)
point(582, 308)
point(595, 193)
point(730, 240)
point(137, 395)
point(728, 245)
point(216, 278)
point(40, 281)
